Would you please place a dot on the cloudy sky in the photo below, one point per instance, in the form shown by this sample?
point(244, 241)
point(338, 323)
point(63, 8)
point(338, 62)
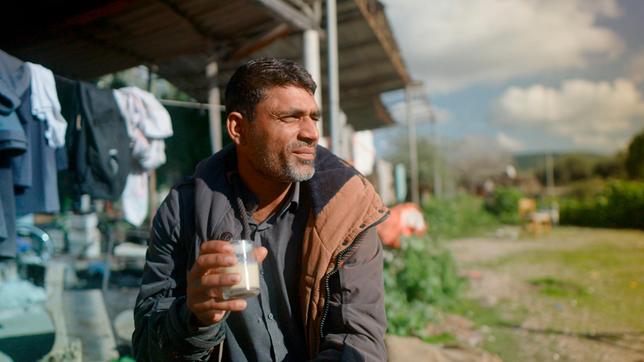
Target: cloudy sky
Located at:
point(530, 75)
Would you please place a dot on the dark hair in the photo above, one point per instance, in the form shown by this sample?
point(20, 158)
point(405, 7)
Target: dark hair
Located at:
point(249, 83)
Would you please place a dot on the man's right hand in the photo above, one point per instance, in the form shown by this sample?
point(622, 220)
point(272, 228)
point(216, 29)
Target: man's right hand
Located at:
point(207, 278)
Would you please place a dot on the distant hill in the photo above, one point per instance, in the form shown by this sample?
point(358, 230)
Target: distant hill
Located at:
point(532, 161)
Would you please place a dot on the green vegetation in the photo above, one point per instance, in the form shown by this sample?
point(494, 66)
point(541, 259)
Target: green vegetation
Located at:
point(458, 216)
point(620, 204)
point(584, 189)
point(504, 203)
point(584, 284)
point(558, 288)
point(635, 157)
point(571, 167)
point(419, 277)
point(499, 340)
point(442, 338)
point(601, 276)
point(573, 281)
point(528, 162)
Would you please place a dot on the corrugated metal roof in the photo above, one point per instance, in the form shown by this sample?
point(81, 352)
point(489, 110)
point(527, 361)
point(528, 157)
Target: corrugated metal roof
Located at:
point(86, 39)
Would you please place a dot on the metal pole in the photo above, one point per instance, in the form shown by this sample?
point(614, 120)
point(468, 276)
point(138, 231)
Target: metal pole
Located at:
point(312, 64)
point(333, 78)
point(413, 151)
point(438, 187)
point(550, 177)
point(214, 102)
point(550, 174)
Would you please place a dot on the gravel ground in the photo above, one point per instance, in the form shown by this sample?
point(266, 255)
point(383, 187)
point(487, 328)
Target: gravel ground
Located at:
point(537, 339)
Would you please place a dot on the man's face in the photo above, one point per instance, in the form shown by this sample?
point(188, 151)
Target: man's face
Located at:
point(281, 140)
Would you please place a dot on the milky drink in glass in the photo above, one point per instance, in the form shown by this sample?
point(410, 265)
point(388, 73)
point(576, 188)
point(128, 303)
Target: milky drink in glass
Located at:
point(247, 269)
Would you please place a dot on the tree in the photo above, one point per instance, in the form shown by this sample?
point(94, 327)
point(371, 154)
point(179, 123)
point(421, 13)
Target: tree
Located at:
point(611, 167)
point(569, 168)
point(465, 163)
point(477, 158)
point(635, 157)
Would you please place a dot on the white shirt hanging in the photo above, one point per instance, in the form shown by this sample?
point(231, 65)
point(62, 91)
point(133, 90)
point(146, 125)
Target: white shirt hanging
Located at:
point(148, 123)
point(45, 105)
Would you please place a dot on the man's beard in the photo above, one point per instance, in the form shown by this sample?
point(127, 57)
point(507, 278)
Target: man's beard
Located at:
point(283, 168)
point(296, 168)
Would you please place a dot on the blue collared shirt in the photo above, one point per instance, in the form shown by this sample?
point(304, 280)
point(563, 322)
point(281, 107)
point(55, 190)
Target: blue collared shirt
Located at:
point(270, 328)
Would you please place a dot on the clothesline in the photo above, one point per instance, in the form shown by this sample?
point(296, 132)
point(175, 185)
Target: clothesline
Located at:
point(107, 139)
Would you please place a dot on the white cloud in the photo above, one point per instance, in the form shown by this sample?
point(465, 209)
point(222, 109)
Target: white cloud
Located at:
point(602, 115)
point(636, 67)
point(421, 111)
point(509, 143)
point(451, 44)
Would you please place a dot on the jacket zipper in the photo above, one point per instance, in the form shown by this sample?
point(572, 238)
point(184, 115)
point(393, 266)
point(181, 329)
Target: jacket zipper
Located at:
point(341, 256)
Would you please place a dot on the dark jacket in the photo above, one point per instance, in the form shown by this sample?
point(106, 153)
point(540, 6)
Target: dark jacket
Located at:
point(342, 305)
point(97, 141)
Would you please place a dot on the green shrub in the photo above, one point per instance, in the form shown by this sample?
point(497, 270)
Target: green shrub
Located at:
point(585, 189)
point(504, 203)
point(419, 277)
point(619, 205)
point(458, 216)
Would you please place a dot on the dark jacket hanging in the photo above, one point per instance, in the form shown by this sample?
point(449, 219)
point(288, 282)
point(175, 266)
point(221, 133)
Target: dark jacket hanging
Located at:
point(97, 140)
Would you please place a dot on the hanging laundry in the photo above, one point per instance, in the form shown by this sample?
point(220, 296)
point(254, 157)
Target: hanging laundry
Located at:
point(364, 152)
point(45, 104)
point(97, 142)
point(13, 140)
point(144, 111)
point(148, 124)
point(152, 156)
point(7, 211)
point(14, 81)
point(135, 200)
point(35, 171)
point(15, 75)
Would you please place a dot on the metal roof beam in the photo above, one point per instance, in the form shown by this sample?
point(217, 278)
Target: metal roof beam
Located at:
point(379, 24)
point(290, 15)
point(375, 86)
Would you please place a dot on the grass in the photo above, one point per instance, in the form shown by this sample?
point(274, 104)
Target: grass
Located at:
point(442, 339)
point(581, 285)
point(602, 276)
point(553, 287)
point(498, 338)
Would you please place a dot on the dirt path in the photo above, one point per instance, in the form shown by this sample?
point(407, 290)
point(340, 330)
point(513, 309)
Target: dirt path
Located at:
point(539, 328)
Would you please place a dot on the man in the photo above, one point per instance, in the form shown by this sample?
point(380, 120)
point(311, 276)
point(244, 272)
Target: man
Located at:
point(321, 278)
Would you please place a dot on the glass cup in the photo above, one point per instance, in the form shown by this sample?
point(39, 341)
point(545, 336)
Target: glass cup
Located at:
point(247, 268)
